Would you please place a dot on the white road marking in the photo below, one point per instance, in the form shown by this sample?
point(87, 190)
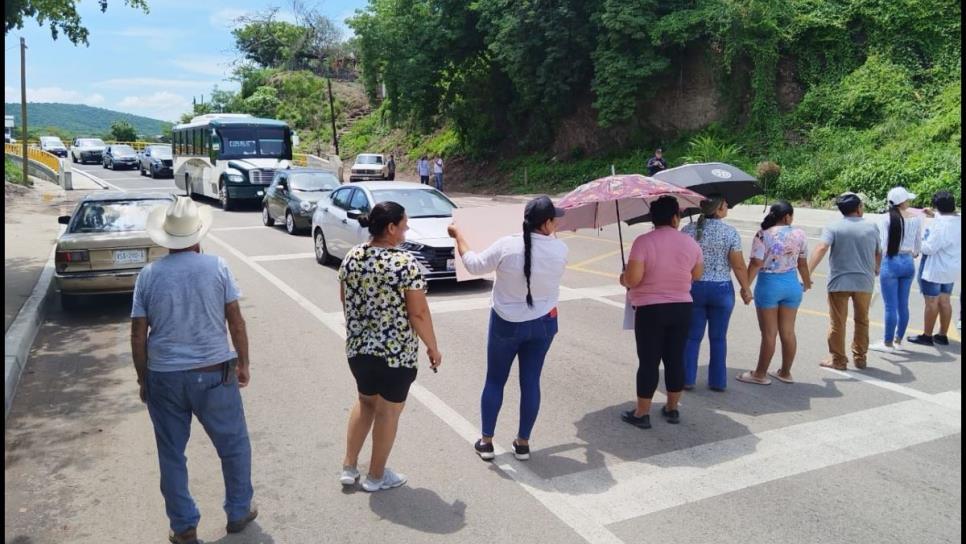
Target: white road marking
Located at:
point(237, 228)
point(556, 503)
point(653, 484)
point(285, 257)
point(907, 391)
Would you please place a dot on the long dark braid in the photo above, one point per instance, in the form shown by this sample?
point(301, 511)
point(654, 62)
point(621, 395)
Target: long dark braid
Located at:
point(897, 225)
point(527, 250)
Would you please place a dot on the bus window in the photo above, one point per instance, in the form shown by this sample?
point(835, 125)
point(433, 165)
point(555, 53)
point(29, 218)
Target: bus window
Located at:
point(238, 142)
point(196, 136)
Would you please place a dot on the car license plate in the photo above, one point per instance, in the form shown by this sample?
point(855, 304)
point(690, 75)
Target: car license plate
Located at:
point(450, 264)
point(129, 256)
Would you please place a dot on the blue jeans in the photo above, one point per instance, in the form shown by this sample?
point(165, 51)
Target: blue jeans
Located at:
point(895, 279)
point(530, 341)
point(172, 397)
point(713, 303)
point(929, 288)
point(439, 181)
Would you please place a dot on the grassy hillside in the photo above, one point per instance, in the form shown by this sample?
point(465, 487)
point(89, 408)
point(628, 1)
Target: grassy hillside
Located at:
point(80, 120)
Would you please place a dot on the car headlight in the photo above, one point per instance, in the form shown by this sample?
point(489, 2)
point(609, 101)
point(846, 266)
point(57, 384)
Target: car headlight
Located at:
point(306, 206)
point(236, 178)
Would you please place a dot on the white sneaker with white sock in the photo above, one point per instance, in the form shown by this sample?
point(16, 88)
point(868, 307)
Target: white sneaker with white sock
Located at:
point(349, 475)
point(389, 480)
point(882, 347)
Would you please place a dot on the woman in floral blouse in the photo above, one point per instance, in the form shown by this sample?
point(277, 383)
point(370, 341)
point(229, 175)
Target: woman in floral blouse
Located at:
point(777, 251)
point(384, 300)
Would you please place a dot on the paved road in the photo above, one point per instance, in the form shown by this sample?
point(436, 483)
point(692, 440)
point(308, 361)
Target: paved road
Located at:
point(872, 456)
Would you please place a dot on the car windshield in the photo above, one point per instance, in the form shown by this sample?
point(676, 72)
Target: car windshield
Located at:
point(52, 142)
point(239, 142)
point(90, 142)
point(369, 159)
point(418, 202)
point(315, 181)
point(122, 150)
point(163, 151)
point(114, 215)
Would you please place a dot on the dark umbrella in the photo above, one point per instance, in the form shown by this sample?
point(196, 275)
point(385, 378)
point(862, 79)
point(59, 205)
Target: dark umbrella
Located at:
point(707, 179)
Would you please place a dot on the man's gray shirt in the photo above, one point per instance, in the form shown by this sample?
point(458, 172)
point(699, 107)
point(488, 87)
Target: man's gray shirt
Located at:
point(183, 297)
point(853, 244)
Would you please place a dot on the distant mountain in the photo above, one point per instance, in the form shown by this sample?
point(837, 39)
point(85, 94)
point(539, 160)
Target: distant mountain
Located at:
point(80, 120)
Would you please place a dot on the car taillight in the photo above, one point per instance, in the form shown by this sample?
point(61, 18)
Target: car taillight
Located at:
point(64, 258)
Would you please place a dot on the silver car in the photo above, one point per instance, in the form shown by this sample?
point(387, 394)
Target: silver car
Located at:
point(336, 229)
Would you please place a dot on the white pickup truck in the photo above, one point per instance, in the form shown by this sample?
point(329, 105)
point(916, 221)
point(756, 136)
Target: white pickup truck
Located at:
point(369, 166)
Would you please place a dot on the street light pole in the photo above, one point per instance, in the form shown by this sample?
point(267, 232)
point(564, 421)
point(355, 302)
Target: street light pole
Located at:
point(335, 139)
point(23, 107)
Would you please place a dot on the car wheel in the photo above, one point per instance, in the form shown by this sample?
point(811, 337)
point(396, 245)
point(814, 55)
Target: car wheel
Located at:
point(290, 224)
point(69, 303)
point(141, 169)
point(73, 158)
point(227, 204)
point(322, 255)
point(267, 217)
point(153, 172)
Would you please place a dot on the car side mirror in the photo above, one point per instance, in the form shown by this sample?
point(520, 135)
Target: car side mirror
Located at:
point(353, 214)
point(64, 219)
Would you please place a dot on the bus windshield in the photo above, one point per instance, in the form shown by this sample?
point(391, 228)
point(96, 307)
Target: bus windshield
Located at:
point(252, 142)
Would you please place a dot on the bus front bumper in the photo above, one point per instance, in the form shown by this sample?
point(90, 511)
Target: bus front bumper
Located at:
point(246, 191)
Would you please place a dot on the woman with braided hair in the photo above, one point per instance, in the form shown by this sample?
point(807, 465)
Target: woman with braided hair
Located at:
point(523, 320)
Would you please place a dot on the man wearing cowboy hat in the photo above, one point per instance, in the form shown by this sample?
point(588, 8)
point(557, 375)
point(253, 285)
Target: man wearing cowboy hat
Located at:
point(185, 365)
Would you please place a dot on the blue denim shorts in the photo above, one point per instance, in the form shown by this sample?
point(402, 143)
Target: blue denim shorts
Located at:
point(931, 289)
point(781, 289)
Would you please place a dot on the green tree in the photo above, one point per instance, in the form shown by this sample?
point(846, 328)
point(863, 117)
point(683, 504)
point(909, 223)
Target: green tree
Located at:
point(267, 42)
point(122, 131)
point(263, 102)
point(61, 14)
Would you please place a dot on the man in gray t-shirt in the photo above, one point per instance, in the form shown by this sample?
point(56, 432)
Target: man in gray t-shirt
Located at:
point(854, 258)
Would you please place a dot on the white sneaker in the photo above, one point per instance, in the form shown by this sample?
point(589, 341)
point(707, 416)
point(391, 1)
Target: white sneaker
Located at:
point(882, 347)
point(350, 475)
point(897, 345)
point(389, 480)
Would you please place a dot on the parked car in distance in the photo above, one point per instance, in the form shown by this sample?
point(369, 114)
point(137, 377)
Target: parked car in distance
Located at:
point(53, 145)
point(156, 161)
point(293, 195)
point(105, 244)
point(369, 166)
point(84, 150)
point(336, 229)
point(119, 156)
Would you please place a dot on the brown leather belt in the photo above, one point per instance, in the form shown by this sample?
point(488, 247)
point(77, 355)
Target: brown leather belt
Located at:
point(213, 368)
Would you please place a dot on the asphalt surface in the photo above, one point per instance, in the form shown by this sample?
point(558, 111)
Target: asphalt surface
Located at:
point(861, 456)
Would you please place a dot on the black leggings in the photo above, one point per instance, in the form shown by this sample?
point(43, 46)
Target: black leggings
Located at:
point(661, 331)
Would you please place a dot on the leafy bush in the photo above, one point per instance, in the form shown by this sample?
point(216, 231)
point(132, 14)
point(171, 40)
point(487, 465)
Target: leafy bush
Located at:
point(707, 148)
point(13, 173)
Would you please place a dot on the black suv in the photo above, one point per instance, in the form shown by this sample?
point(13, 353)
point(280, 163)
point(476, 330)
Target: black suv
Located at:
point(293, 195)
point(156, 161)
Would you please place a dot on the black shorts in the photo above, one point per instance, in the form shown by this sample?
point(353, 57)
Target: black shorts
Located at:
point(374, 376)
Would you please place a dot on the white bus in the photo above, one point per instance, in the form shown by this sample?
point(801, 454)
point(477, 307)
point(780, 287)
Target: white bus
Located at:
point(230, 156)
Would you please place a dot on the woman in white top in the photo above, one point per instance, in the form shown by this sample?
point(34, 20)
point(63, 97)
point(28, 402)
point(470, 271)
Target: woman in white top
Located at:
point(900, 232)
point(523, 321)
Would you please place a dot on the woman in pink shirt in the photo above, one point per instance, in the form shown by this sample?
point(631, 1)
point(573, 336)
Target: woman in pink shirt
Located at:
point(660, 269)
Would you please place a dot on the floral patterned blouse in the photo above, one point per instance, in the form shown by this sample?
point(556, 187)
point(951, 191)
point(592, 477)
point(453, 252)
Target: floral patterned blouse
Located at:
point(779, 248)
point(377, 323)
point(718, 240)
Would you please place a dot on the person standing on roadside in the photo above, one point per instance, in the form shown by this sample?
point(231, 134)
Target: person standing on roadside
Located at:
point(523, 321)
point(656, 163)
point(422, 169)
point(179, 343)
point(854, 260)
point(900, 233)
point(383, 297)
point(713, 294)
point(939, 269)
point(660, 269)
point(777, 251)
point(391, 167)
point(438, 173)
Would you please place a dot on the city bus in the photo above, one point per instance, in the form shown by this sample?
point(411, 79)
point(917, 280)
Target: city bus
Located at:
point(230, 156)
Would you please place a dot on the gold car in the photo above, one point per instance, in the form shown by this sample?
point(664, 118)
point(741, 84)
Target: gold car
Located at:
point(105, 245)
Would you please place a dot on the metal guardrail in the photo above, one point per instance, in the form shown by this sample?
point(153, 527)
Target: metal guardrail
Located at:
point(138, 146)
point(35, 154)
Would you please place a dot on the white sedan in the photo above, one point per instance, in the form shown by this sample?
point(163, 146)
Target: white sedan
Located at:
point(335, 228)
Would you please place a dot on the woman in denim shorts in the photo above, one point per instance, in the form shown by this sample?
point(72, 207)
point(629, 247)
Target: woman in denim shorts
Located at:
point(777, 251)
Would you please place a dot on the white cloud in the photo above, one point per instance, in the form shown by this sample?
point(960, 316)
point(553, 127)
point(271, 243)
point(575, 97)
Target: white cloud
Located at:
point(208, 65)
point(157, 39)
point(158, 83)
point(160, 105)
point(52, 94)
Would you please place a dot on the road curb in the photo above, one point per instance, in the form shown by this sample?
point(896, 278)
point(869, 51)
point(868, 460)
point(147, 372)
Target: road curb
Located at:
point(20, 336)
point(103, 184)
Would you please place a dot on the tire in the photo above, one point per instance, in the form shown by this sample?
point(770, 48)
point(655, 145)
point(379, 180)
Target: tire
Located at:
point(153, 172)
point(322, 255)
point(227, 204)
point(73, 158)
point(141, 169)
point(69, 303)
point(267, 217)
point(290, 226)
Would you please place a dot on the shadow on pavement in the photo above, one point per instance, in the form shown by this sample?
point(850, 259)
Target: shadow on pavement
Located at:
point(253, 534)
point(420, 509)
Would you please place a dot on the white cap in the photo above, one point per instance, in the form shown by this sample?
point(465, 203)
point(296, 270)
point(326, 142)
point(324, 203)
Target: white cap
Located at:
point(898, 195)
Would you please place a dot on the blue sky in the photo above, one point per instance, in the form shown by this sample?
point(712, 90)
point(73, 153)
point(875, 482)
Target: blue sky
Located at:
point(146, 64)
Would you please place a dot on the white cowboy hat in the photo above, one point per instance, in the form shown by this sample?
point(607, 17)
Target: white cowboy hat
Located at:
point(179, 225)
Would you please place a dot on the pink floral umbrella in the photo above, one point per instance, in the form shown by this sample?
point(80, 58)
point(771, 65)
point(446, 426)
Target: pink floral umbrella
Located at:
point(613, 199)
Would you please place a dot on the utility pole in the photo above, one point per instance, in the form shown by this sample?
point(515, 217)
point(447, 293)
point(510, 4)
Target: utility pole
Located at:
point(23, 106)
point(335, 139)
